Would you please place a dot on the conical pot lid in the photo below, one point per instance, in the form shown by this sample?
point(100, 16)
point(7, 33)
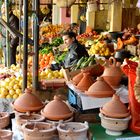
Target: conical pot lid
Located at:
point(115, 108)
point(85, 82)
point(57, 109)
point(100, 89)
point(27, 102)
point(76, 79)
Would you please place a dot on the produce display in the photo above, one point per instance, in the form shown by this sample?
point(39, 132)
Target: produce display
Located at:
point(101, 48)
point(84, 62)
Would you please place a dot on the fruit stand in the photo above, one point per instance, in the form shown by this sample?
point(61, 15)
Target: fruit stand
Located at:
point(89, 100)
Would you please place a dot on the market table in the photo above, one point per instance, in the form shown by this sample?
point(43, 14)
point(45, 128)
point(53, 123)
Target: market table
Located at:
point(98, 133)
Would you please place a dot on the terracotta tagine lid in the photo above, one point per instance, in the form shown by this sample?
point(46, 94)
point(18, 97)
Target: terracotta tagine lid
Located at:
point(115, 108)
point(27, 102)
point(85, 82)
point(76, 79)
point(100, 89)
point(57, 109)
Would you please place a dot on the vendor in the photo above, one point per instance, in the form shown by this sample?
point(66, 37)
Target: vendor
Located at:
point(75, 51)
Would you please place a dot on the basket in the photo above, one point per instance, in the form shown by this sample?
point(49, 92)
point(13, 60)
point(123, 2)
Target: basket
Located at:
point(92, 6)
point(64, 3)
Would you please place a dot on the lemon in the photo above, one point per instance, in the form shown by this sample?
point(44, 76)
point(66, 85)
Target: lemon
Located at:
point(11, 92)
point(4, 91)
point(8, 96)
point(15, 96)
point(18, 91)
point(11, 84)
point(16, 87)
point(2, 96)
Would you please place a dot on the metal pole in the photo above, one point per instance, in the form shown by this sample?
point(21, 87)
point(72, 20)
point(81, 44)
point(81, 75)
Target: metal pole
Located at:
point(20, 13)
point(0, 32)
point(7, 59)
point(36, 43)
point(25, 42)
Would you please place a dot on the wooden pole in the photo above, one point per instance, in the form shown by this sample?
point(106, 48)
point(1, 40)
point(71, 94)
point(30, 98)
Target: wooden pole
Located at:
point(36, 43)
point(7, 59)
point(25, 43)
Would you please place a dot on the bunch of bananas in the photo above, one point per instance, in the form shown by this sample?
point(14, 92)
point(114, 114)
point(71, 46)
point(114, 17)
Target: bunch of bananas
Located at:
point(45, 10)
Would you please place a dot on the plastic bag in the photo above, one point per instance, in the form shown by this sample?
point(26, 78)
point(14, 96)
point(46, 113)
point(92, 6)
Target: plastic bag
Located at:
point(130, 70)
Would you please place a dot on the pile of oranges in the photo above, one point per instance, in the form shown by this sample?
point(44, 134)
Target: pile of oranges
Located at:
point(45, 60)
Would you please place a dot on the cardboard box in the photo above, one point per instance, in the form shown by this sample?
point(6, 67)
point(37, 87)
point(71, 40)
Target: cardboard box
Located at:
point(84, 102)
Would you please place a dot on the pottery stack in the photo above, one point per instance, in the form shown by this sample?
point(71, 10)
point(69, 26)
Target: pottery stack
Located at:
point(83, 80)
point(4, 122)
point(26, 109)
point(114, 116)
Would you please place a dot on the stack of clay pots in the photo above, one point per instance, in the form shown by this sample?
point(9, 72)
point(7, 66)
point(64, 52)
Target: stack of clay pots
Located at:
point(4, 122)
point(83, 80)
point(112, 73)
point(57, 125)
point(26, 108)
point(114, 116)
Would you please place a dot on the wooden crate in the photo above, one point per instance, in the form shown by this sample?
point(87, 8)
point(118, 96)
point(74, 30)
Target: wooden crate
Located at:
point(95, 70)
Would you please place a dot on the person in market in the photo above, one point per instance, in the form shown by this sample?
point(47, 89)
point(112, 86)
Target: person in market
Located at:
point(13, 41)
point(75, 51)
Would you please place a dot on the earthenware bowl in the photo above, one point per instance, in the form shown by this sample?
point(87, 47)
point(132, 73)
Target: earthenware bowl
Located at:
point(4, 119)
point(39, 131)
point(72, 131)
point(23, 118)
point(114, 126)
point(6, 134)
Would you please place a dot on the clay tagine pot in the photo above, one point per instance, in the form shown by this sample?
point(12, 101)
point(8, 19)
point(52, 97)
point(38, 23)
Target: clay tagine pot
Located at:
point(72, 131)
point(76, 79)
point(112, 73)
point(85, 82)
point(39, 131)
point(6, 134)
point(56, 110)
point(114, 126)
point(100, 89)
point(24, 118)
point(4, 119)
point(115, 108)
point(27, 102)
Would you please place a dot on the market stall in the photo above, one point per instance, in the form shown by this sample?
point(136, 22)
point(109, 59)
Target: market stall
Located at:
point(95, 98)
